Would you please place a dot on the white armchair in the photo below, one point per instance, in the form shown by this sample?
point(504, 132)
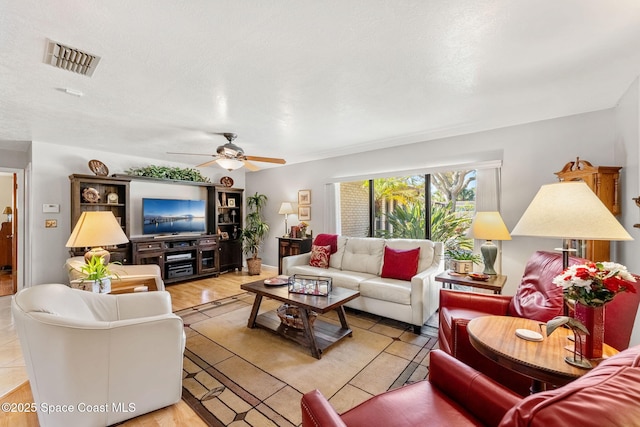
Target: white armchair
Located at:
point(96, 359)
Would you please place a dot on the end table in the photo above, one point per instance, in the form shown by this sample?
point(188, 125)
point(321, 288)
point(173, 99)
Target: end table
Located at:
point(494, 283)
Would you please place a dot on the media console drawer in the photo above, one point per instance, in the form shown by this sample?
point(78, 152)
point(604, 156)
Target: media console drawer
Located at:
point(149, 246)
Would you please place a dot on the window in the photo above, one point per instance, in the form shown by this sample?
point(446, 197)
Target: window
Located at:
point(395, 207)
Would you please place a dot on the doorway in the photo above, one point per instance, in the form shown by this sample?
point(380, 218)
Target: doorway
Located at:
point(8, 237)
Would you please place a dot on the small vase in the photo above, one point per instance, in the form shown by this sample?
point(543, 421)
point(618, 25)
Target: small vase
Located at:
point(593, 319)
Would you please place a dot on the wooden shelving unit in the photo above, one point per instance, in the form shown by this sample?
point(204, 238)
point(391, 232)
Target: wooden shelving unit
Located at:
point(118, 203)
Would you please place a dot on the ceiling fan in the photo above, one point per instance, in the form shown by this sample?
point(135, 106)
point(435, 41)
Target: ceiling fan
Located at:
point(230, 156)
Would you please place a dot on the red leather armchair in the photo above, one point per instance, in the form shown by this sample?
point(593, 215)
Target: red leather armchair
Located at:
point(536, 298)
point(457, 395)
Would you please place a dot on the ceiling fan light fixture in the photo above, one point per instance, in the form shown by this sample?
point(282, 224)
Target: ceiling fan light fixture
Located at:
point(230, 164)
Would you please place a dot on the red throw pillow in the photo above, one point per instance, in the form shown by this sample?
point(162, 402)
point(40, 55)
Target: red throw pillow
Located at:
point(320, 256)
point(327, 239)
point(400, 264)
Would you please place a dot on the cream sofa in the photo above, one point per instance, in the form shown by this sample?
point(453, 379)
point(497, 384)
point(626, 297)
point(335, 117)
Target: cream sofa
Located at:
point(96, 359)
point(357, 264)
point(129, 278)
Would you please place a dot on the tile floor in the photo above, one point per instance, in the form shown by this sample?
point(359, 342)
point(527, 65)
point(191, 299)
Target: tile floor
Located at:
point(12, 367)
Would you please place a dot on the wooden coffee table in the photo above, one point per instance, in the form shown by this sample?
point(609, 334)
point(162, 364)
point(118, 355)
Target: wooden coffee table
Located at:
point(318, 337)
point(542, 361)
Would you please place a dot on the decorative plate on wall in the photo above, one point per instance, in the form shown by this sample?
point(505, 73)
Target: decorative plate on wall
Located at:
point(227, 181)
point(91, 195)
point(98, 168)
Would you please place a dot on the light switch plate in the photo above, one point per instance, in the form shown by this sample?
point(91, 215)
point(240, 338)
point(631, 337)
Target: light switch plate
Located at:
point(50, 208)
point(50, 223)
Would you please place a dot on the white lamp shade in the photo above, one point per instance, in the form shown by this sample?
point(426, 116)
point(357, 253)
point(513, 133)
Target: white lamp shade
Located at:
point(489, 226)
point(230, 164)
point(286, 208)
point(569, 210)
point(96, 229)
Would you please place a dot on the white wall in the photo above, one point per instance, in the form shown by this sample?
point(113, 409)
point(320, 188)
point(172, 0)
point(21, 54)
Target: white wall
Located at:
point(531, 153)
point(52, 165)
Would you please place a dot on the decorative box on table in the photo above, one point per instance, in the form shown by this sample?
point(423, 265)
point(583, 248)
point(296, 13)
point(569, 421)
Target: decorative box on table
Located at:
point(310, 285)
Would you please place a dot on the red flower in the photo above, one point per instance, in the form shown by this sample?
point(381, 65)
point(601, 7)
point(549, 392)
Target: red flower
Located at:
point(583, 273)
point(616, 284)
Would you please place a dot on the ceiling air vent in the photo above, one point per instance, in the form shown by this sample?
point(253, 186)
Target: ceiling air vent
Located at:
point(70, 59)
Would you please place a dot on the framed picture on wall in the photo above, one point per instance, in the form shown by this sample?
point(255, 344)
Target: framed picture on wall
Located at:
point(304, 213)
point(304, 197)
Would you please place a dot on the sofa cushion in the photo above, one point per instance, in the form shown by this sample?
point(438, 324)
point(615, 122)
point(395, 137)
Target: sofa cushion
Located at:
point(392, 290)
point(341, 279)
point(400, 264)
point(327, 239)
point(363, 254)
point(320, 256)
point(336, 258)
point(427, 250)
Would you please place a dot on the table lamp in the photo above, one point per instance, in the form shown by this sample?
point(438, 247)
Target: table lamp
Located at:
point(95, 229)
point(489, 226)
point(286, 209)
point(569, 210)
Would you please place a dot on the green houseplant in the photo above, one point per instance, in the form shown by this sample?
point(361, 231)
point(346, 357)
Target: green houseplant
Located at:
point(461, 261)
point(97, 274)
point(254, 232)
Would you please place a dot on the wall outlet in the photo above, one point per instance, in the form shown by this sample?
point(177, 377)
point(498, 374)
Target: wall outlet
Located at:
point(50, 223)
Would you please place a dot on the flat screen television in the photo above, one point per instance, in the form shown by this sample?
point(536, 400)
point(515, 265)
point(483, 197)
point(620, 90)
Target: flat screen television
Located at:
point(172, 216)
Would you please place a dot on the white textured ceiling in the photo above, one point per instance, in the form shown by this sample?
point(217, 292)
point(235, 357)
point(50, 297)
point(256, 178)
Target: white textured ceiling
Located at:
point(303, 79)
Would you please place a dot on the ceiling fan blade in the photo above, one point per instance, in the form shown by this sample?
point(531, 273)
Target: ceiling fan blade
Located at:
point(191, 154)
point(250, 166)
point(265, 159)
point(205, 164)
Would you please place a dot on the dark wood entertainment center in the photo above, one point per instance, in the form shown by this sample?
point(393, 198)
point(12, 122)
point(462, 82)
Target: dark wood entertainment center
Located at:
point(180, 257)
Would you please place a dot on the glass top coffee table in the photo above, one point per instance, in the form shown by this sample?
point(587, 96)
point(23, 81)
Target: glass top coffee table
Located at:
point(317, 337)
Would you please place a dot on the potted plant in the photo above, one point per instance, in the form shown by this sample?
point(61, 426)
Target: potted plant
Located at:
point(254, 232)
point(461, 261)
point(97, 276)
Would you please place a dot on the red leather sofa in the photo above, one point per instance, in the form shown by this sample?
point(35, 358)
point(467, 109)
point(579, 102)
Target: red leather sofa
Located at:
point(457, 395)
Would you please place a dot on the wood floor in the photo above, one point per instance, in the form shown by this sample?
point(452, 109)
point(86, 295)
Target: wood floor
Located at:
point(183, 295)
point(6, 283)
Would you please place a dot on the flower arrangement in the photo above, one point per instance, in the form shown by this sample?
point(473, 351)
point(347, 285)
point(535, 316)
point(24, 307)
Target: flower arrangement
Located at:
point(303, 224)
point(595, 284)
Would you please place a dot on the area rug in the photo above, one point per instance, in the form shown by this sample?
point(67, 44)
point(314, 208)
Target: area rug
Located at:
point(234, 375)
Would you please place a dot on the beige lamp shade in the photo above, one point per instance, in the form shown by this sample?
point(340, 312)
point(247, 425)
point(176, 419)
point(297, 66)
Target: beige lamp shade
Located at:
point(286, 208)
point(489, 226)
point(569, 210)
point(95, 229)
point(7, 211)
